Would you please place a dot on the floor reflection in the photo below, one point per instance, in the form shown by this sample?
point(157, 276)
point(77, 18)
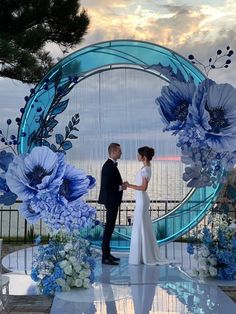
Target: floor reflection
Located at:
point(128, 289)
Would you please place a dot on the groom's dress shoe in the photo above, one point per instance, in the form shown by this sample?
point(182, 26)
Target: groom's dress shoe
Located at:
point(116, 259)
point(109, 261)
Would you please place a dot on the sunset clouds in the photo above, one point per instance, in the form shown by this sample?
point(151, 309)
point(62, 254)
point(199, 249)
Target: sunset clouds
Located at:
point(170, 23)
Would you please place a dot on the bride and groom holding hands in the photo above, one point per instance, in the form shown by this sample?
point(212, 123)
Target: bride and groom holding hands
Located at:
point(143, 246)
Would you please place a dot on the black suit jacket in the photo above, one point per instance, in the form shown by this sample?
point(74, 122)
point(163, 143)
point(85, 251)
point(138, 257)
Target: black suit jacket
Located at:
point(111, 180)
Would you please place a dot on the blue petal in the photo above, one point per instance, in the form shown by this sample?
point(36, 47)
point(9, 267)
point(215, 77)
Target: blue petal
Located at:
point(28, 213)
point(5, 159)
point(42, 156)
point(8, 198)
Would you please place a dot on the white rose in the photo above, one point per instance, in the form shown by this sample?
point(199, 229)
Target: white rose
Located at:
point(68, 270)
point(78, 282)
point(202, 261)
point(84, 273)
point(72, 259)
point(68, 247)
point(212, 271)
point(61, 282)
point(213, 261)
point(86, 266)
point(86, 283)
point(66, 288)
point(205, 252)
point(70, 282)
point(62, 253)
point(77, 268)
point(64, 264)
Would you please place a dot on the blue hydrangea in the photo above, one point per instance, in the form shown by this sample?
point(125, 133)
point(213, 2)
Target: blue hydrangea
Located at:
point(234, 243)
point(73, 216)
point(207, 236)
point(190, 248)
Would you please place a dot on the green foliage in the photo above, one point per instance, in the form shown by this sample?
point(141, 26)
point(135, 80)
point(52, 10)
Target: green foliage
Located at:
point(27, 26)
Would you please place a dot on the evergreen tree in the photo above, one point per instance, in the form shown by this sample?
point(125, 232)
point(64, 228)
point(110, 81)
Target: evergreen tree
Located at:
point(27, 26)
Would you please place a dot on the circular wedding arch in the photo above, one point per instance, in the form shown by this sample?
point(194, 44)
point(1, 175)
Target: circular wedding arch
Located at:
point(104, 56)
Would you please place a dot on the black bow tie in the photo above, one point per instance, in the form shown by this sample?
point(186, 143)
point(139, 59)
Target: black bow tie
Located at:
point(116, 163)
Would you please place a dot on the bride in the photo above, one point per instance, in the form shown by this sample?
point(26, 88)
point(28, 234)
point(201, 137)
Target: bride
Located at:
point(143, 247)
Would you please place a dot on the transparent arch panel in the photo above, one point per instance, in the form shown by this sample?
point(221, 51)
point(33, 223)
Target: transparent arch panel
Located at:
point(91, 62)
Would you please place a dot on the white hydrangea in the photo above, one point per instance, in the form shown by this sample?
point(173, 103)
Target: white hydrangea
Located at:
point(212, 271)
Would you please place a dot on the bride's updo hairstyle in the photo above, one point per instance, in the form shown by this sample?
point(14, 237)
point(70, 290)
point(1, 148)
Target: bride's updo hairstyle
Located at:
point(147, 152)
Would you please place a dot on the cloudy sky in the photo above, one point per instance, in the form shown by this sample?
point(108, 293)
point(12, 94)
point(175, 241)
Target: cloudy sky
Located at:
point(187, 27)
point(198, 27)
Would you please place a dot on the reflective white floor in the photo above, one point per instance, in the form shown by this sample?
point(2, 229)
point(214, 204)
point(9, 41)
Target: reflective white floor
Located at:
point(128, 289)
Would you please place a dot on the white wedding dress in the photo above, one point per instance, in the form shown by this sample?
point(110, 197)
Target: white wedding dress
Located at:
point(143, 246)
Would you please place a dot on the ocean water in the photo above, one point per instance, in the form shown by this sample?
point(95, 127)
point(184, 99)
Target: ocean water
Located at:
point(166, 184)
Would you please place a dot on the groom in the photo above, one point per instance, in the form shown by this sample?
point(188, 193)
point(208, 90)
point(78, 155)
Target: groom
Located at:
point(110, 195)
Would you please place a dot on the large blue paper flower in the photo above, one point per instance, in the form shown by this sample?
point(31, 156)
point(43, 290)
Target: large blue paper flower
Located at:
point(75, 183)
point(174, 104)
point(40, 170)
point(213, 112)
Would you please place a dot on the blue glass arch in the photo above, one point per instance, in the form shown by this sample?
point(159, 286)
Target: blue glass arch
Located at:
point(145, 56)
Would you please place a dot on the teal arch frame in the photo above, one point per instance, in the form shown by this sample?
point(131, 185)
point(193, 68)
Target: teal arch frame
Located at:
point(145, 56)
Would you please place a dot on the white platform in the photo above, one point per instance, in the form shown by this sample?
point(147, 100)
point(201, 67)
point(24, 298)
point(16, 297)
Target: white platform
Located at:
point(128, 289)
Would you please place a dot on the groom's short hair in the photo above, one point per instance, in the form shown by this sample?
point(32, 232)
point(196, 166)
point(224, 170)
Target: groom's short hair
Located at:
point(112, 147)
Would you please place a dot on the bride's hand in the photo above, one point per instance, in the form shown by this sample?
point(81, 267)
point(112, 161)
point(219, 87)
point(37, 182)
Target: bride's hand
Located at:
point(125, 184)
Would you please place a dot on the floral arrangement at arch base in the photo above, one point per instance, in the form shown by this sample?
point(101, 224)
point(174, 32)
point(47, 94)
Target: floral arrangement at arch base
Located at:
point(216, 250)
point(52, 190)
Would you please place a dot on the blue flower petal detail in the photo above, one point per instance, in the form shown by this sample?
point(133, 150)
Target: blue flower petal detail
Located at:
point(174, 104)
point(75, 183)
point(28, 174)
point(213, 112)
point(29, 213)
